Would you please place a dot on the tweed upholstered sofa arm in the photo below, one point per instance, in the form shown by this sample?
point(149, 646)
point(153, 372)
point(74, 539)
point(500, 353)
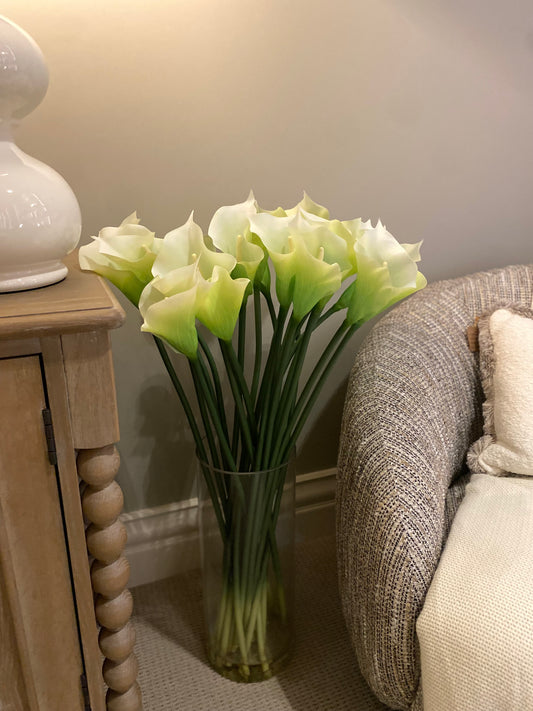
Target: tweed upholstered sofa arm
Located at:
point(411, 410)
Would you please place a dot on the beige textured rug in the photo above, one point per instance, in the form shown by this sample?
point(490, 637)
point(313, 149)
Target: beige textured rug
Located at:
point(321, 676)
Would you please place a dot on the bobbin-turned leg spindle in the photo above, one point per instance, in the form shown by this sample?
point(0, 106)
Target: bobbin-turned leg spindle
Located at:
point(102, 503)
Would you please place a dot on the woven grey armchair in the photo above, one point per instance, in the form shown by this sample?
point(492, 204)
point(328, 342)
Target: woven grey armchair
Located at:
point(412, 409)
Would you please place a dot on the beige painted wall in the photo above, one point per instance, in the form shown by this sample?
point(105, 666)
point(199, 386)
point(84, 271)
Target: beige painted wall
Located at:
point(419, 112)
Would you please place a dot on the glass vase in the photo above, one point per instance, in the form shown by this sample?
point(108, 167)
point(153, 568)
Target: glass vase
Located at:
point(247, 545)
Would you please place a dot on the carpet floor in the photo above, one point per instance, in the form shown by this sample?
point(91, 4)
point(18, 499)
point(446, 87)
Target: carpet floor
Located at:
point(322, 675)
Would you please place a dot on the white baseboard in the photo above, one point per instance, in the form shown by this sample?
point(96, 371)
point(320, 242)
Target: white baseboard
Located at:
point(163, 541)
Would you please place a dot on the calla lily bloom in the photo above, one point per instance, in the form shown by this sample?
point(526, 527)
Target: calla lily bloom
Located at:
point(309, 258)
point(170, 305)
point(187, 245)
point(310, 206)
point(124, 255)
point(351, 231)
point(303, 279)
point(188, 276)
point(230, 231)
point(274, 233)
point(386, 273)
point(219, 301)
point(348, 230)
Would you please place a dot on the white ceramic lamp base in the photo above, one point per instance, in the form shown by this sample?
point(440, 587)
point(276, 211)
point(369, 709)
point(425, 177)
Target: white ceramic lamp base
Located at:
point(40, 275)
point(40, 221)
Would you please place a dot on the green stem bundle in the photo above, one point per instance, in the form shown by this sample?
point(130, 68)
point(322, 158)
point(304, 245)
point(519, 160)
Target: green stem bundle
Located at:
point(270, 408)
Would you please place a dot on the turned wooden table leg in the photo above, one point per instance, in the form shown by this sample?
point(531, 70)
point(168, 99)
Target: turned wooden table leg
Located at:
point(102, 503)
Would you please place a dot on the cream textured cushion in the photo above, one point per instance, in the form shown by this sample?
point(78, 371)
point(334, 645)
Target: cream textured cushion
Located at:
point(476, 627)
point(506, 362)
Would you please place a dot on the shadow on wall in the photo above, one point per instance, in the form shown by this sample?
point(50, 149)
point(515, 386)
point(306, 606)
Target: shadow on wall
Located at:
point(317, 448)
point(158, 461)
point(164, 442)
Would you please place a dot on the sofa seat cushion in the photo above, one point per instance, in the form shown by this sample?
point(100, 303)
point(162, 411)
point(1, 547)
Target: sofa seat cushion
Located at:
point(476, 626)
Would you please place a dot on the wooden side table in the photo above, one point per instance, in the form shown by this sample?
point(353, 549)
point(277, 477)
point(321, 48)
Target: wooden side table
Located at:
point(62, 572)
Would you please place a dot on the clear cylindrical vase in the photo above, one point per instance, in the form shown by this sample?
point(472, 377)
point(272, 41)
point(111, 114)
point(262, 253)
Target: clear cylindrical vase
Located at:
point(247, 544)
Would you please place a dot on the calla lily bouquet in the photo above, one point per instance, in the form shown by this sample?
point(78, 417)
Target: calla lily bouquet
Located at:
point(188, 285)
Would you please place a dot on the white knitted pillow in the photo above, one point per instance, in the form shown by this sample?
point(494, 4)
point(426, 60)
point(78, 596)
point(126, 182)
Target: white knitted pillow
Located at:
point(506, 364)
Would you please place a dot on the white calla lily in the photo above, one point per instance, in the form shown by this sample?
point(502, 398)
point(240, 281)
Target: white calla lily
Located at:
point(219, 302)
point(310, 206)
point(386, 273)
point(168, 307)
point(317, 232)
point(230, 231)
point(231, 220)
point(304, 279)
point(272, 231)
point(186, 245)
point(124, 255)
point(310, 258)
